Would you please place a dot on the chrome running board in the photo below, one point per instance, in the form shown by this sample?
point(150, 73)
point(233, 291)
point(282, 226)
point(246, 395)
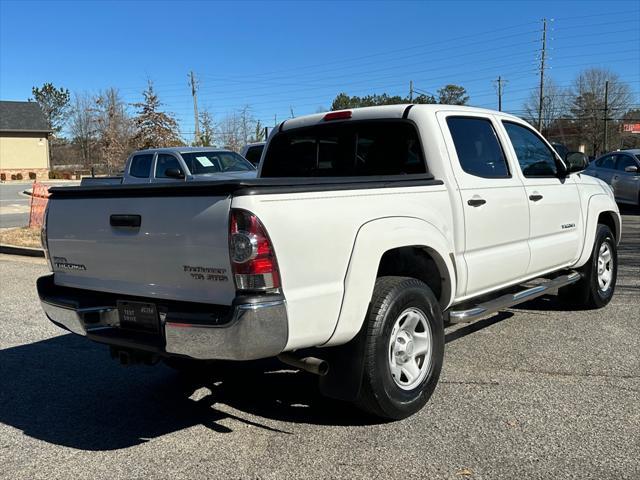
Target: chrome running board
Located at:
point(505, 301)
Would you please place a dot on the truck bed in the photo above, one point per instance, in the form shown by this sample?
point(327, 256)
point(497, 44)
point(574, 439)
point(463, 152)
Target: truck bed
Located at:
point(178, 250)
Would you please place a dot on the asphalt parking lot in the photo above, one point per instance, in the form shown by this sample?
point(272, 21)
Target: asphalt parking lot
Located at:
point(533, 392)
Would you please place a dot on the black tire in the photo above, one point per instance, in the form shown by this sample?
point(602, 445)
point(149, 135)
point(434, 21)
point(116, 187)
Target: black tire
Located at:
point(379, 394)
point(587, 292)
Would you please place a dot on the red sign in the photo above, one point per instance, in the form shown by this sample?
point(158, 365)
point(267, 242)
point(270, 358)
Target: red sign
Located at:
point(631, 127)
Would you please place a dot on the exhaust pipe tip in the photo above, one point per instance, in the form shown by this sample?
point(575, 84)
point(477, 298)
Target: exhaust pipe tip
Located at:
point(314, 365)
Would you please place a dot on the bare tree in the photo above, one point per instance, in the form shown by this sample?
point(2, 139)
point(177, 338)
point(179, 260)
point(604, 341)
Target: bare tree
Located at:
point(247, 124)
point(82, 125)
point(588, 105)
point(239, 128)
point(554, 105)
point(114, 128)
point(231, 132)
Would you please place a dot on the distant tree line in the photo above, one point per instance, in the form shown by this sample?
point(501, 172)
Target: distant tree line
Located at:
point(449, 94)
point(100, 130)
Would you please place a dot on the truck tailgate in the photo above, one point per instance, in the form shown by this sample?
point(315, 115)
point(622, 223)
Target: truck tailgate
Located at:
point(179, 251)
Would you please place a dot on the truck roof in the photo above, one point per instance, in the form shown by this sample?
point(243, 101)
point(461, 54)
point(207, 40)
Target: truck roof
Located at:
point(181, 150)
point(385, 111)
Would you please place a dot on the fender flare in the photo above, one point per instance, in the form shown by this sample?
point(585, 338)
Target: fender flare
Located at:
point(373, 239)
point(598, 204)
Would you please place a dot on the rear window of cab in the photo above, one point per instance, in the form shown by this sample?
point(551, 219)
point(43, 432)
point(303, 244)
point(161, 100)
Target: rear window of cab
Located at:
point(346, 149)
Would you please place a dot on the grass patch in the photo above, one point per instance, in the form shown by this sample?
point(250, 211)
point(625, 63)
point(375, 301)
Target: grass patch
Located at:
point(21, 237)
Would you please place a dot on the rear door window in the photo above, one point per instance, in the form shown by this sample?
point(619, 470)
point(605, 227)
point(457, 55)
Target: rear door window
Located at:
point(141, 165)
point(354, 148)
point(478, 148)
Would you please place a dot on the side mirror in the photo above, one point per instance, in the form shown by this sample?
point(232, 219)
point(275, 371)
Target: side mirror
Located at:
point(174, 173)
point(631, 169)
point(576, 161)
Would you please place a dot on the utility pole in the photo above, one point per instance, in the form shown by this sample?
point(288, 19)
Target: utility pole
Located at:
point(194, 90)
point(606, 115)
point(499, 93)
point(542, 58)
point(410, 91)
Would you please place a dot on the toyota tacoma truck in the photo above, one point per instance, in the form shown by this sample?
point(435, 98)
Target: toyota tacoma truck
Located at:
point(366, 231)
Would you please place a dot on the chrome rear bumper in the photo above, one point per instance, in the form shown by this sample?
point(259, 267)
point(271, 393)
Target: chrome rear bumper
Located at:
point(254, 329)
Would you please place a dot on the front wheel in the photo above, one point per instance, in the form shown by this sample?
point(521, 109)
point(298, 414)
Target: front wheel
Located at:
point(599, 274)
point(404, 348)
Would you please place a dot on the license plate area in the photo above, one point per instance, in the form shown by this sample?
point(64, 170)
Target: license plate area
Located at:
point(141, 316)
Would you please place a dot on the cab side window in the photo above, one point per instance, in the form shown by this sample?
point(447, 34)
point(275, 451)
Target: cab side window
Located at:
point(478, 147)
point(141, 165)
point(165, 162)
point(536, 159)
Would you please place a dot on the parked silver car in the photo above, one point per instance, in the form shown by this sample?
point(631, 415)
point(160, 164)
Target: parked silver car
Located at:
point(621, 170)
point(179, 164)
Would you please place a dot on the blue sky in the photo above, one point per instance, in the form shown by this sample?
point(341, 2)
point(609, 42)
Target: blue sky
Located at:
point(278, 56)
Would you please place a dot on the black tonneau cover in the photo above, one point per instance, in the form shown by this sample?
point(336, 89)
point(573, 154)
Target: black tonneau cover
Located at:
point(239, 187)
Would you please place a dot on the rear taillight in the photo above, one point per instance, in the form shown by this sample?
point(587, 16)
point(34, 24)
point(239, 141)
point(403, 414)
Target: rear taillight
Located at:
point(253, 260)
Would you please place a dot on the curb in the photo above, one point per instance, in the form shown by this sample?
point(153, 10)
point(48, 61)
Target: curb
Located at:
point(24, 251)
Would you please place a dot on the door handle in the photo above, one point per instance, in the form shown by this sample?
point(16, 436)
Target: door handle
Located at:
point(535, 197)
point(133, 221)
point(476, 202)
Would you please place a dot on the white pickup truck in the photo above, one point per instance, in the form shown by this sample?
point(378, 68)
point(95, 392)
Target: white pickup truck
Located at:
point(366, 231)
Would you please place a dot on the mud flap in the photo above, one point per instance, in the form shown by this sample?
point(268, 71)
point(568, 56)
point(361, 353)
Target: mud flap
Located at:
point(346, 364)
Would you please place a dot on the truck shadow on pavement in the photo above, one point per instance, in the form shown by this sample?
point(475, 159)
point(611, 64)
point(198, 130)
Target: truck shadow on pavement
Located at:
point(69, 392)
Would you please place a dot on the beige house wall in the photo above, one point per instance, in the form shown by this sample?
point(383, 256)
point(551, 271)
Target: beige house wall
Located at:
point(24, 151)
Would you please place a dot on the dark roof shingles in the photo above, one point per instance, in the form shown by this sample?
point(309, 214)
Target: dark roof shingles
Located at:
point(22, 116)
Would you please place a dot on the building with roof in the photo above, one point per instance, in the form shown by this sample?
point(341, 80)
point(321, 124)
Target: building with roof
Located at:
point(24, 141)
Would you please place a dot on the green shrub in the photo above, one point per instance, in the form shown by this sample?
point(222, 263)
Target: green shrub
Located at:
point(32, 175)
point(19, 176)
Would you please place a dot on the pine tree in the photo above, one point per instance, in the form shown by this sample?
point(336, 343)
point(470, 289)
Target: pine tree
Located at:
point(55, 103)
point(154, 128)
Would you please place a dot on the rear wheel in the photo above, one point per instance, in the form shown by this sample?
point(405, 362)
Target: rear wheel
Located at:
point(599, 274)
point(404, 348)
